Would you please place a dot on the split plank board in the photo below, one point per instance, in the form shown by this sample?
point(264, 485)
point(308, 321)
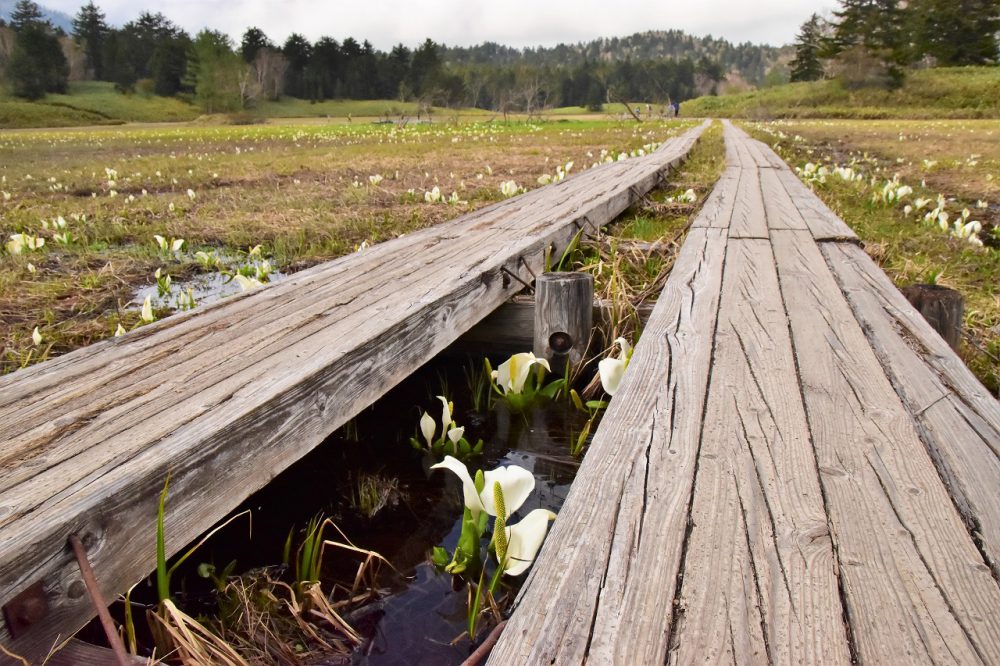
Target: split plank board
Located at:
point(798, 500)
point(581, 598)
point(748, 220)
point(226, 396)
point(759, 538)
point(897, 532)
point(959, 420)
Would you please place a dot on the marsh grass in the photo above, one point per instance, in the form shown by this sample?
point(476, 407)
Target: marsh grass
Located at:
point(289, 187)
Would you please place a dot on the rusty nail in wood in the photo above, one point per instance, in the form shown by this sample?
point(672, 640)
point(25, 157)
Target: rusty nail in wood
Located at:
point(90, 580)
point(525, 264)
point(517, 277)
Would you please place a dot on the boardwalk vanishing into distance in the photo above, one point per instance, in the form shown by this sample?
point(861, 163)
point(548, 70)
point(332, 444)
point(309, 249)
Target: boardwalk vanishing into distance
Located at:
point(226, 396)
point(796, 468)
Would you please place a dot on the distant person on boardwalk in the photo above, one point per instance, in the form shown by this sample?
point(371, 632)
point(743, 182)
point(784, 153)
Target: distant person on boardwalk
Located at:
point(677, 109)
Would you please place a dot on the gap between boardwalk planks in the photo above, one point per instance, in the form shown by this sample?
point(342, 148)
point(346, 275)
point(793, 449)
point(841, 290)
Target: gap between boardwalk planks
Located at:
point(281, 414)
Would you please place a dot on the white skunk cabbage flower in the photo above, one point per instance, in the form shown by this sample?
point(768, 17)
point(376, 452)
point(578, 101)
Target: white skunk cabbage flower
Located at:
point(612, 370)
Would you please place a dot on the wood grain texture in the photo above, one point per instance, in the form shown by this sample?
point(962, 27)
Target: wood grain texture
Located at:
point(822, 222)
point(78, 653)
point(613, 556)
point(564, 318)
point(959, 420)
point(781, 211)
point(510, 328)
point(916, 588)
point(760, 582)
point(748, 219)
point(227, 396)
point(717, 210)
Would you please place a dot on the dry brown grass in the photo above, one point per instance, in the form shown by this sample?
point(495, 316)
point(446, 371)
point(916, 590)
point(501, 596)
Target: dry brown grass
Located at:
point(289, 187)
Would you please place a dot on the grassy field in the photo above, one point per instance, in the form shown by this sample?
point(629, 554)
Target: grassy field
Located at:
point(957, 160)
point(966, 92)
point(305, 192)
point(93, 103)
point(98, 103)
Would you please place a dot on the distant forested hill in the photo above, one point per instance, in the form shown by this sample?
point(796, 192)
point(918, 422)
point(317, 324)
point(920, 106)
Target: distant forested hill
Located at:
point(750, 61)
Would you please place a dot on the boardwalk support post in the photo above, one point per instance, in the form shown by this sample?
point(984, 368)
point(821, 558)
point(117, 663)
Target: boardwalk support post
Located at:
point(563, 317)
point(943, 308)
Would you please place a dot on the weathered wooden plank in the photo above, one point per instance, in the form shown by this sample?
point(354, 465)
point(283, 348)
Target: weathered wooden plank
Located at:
point(740, 150)
point(822, 222)
point(291, 311)
point(627, 510)
point(959, 420)
point(761, 154)
point(254, 383)
point(542, 204)
point(78, 653)
point(916, 588)
point(760, 582)
point(766, 156)
point(748, 219)
point(780, 209)
point(720, 199)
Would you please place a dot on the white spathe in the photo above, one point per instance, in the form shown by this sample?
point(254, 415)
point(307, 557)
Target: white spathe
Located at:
point(516, 483)
point(427, 428)
point(513, 373)
point(612, 370)
point(524, 540)
point(445, 412)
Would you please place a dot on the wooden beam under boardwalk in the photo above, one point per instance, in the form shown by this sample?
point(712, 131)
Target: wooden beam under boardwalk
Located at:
point(225, 397)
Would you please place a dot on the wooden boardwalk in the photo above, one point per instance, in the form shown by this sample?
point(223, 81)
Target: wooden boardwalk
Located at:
point(796, 468)
point(225, 397)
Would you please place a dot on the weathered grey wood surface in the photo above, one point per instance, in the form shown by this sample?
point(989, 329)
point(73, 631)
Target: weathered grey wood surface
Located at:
point(564, 318)
point(942, 307)
point(795, 469)
point(225, 397)
point(510, 328)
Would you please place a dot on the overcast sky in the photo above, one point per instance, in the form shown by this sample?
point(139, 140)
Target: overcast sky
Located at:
point(466, 22)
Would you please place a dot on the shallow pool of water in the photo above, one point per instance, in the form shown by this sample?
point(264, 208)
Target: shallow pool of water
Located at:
point(420, 616)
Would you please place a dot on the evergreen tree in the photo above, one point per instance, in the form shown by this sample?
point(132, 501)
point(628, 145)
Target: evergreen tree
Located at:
point(253, 41)
point(870, 41)
point(424, 67)
point(298, 52)
point(808, 44)
point(37, 64)
point(169, 64)
point(956, 32)
point(117, 65)
point(875, 25)
point(91, 30)
point(216, 71)
point(26, 13)
point(394, 70)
